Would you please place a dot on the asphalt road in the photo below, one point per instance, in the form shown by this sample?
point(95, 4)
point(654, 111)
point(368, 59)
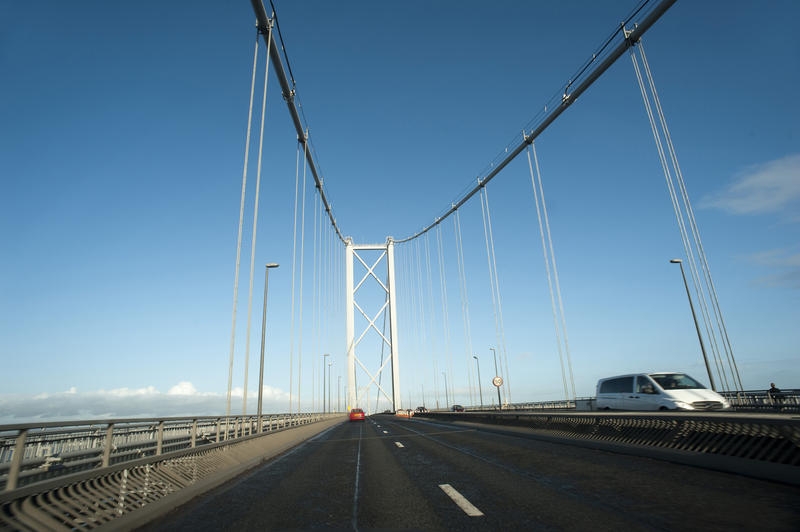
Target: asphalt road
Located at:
point(392, 473)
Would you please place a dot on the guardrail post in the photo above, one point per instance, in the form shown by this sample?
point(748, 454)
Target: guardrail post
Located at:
point(160, 442)
point(16, 460)
point(194, 433)
point(108, 445)
point(218, 424)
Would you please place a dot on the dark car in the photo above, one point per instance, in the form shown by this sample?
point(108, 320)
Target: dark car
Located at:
point(457, 408)
point(420, 410)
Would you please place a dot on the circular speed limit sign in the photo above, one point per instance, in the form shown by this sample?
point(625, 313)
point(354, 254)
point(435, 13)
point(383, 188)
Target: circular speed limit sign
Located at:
point(497, 381)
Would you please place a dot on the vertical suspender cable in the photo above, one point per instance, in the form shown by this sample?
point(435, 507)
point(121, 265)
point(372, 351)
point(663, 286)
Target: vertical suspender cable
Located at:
point(692, 224)
point(443, 286)
point(424, 336)
point(239, 238)
point(491, 278)
point(434, 347)
point(464, 305)
point(681, 224)
point(555, 272)
point(300, 297)
point(547, 269)
point(294, 250)
point(507, 386)
point(315, 348)
point(255, 226)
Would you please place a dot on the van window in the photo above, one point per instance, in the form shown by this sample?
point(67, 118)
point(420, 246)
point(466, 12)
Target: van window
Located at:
point(676, 381)
point(645, 385)
point(621, 385)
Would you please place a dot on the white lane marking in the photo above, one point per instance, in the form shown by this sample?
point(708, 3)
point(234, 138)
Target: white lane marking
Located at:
point(386, 432)
point(358, 471)
point(399, 444)
point(462, 502)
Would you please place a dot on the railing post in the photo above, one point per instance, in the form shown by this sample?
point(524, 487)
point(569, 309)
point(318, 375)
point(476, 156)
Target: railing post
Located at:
point(108, 445)
point(16, 460)
point(160, 441)
point(194, 433)
point(218, 424)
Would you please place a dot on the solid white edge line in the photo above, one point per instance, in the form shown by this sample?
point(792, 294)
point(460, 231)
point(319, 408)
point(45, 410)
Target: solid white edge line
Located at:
point(461, 501)
point(399, 444)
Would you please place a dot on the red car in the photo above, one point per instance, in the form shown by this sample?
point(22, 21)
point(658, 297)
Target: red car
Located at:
point(356, 414)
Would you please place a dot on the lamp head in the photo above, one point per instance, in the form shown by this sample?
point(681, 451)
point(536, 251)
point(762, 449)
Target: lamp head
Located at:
point(676, 261)
point(272, 265)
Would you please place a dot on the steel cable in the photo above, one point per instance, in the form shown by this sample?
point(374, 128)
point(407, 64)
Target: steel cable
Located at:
point(239, 237)
point(681, 223)
point(464, 304)
point(255, 227)
point(692, 222)
point(507, 388)
point(547, 267)
point(300, 296)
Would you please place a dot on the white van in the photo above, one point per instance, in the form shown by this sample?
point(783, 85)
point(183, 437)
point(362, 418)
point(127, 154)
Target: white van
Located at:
point(664, 390)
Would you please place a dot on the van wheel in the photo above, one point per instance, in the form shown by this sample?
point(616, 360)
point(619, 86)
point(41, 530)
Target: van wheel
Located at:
point(605, 408)
point(663, 408)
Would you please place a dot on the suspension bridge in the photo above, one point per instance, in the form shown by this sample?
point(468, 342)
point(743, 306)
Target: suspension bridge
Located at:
point(476, 453)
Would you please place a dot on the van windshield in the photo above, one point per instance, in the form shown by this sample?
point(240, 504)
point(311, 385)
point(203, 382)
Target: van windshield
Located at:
point(676, 381)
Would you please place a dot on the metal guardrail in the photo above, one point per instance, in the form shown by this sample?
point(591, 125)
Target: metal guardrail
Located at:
point(762, 400)
point(786, 401)
point(108, 496)
point(767, 446)
point(34, 452)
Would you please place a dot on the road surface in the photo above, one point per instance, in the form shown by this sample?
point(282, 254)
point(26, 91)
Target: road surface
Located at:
point(410, 474)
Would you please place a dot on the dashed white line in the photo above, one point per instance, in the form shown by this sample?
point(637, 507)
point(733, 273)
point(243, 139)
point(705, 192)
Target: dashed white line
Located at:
point(461, 501)
point(399, 444)
point(386, 432)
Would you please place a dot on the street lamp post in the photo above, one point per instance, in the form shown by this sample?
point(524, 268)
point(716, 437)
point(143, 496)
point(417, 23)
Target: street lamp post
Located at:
point(263, 336)
point(499, 402)
point(480, 389)
point(679, 262)
point(329, 385)
point(446, 398)
point(338, 389)
point(323, 381)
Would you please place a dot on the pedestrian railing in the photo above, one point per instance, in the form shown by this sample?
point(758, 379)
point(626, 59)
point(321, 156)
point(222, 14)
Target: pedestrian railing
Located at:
point(33, 452)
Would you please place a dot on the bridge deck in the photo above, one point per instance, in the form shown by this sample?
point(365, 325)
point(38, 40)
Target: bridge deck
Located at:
point(356, 476)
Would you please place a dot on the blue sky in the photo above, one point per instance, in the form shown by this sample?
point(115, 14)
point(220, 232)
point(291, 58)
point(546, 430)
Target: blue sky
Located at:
point(121, 159)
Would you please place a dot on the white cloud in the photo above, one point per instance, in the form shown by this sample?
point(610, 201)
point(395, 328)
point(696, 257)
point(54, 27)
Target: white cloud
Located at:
point(183, 399)
point(770, 187)
point(183, 388)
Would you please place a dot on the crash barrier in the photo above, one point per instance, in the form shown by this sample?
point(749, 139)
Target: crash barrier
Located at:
point(112, 494)
point(33, 452)
point(764, 446)
point(786, 401)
